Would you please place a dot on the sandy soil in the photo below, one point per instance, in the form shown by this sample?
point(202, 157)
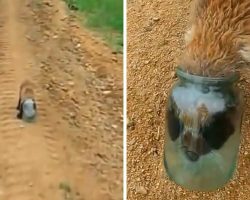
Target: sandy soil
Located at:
point(155, 40)
point(74, 150)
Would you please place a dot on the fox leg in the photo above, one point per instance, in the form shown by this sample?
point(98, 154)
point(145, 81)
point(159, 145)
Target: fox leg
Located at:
point(18, 104)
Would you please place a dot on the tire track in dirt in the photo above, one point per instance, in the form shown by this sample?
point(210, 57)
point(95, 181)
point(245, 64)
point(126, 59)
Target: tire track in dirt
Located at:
point(11, 148)
point(15, 179)
point(29, 151)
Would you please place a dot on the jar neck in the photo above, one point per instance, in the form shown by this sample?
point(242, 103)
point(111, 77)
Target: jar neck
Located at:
point(227, 81)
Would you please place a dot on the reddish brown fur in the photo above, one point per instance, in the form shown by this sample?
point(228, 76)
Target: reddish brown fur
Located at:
point(218, 41)
point(26, 90)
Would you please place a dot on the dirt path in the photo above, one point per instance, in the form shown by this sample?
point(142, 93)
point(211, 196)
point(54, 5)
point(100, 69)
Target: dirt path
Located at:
point(155, 40)
point(74, 150)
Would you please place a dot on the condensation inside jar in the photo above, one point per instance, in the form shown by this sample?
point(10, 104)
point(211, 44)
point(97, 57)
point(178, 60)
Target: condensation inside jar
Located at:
point(202, 132)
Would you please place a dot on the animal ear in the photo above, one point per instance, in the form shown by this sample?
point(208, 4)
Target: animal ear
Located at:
point(197, 7)
point(245, 52)
point(189, 35)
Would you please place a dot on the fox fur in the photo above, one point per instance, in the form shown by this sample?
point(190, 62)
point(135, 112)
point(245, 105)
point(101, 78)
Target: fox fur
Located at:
point(26, 92)
point(218, 38)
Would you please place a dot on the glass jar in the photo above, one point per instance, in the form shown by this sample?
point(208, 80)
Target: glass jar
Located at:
point(203, 123)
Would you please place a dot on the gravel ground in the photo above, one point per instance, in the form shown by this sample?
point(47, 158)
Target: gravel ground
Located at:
point(155, 41)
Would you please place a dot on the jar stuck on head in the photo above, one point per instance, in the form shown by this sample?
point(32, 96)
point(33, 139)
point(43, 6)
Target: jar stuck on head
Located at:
point(203, 122)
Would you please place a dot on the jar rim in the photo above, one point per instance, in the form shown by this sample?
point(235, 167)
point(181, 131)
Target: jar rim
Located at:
point(231, 78)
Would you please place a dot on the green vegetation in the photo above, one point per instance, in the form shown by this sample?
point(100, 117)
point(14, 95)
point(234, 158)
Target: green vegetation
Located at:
point(67, 190)
point(105, 16)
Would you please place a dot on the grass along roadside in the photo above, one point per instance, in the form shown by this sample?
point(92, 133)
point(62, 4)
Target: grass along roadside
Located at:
point(105, 17)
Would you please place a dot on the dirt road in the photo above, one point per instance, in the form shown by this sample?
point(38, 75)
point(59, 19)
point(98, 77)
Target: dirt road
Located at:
point(155, 40)
point(74, 150)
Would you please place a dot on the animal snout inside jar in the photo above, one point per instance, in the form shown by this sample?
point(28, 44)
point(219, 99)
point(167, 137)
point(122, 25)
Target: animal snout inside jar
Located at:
point(203, 122)
point(194, 146)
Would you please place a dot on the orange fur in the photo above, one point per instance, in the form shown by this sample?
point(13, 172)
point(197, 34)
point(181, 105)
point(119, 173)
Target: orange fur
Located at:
point(26, 90)
point(218, 41)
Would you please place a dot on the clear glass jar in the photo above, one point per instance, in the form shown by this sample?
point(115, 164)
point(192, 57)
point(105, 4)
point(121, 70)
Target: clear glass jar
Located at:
point(203, 123)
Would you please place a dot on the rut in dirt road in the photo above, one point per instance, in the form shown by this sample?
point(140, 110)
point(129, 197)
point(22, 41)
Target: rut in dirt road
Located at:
point(38, 160)
point(28, 152)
